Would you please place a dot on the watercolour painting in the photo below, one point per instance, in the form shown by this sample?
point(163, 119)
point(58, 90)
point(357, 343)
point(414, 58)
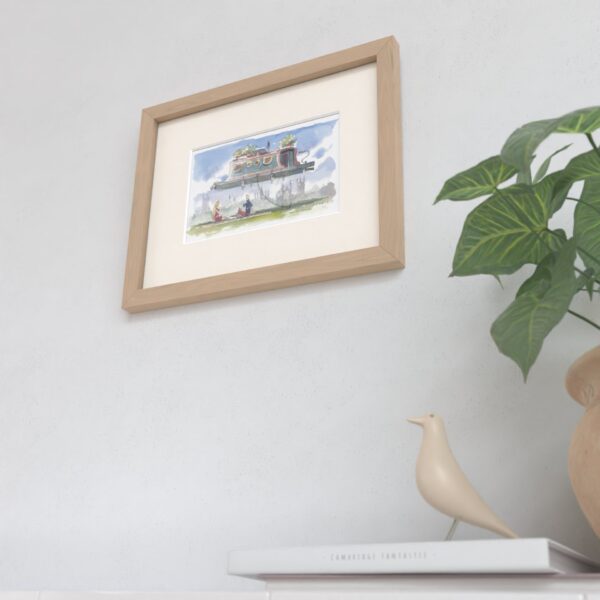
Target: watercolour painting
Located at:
point(262, 180)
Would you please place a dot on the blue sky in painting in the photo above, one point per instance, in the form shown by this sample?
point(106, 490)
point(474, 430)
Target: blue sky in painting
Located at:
point(326, 168)
point(208, 163)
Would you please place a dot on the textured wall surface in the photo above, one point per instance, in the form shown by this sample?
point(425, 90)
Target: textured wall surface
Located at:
point(136, 450)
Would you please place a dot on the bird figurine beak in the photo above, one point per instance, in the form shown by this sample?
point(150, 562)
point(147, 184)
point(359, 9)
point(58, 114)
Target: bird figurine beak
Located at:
point(417, 420)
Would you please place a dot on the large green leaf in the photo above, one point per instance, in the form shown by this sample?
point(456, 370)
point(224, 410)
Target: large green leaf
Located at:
point(583, 166)
point(477, 181)
point(508, 230)
point(579, 168)
point(524, 176)
point(541, 279)
point(520, 146)
point(554, 188)
point(587, 223)
point(541, 303)
point(583, 120)
point(541, 172)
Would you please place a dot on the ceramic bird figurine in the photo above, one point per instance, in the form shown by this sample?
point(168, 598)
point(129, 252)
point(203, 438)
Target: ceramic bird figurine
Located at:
point(443, 484)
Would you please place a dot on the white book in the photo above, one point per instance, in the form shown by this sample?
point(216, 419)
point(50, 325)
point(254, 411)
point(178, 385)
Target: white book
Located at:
point(497, 556)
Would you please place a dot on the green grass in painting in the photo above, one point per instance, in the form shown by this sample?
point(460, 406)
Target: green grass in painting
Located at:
point(264, 216)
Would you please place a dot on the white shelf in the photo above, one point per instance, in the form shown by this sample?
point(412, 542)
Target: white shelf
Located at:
point(435, 587)
point(389, 587)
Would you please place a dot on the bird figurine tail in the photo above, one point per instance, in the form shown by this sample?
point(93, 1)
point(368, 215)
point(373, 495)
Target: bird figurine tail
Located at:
point(444, 485)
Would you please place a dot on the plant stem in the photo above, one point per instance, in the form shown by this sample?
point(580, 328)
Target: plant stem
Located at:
point(576, 314)
point(593, 290)
point(593, 143)
point(586, 275)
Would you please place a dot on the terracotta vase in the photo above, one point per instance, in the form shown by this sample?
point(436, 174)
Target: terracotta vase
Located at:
point(583, 384)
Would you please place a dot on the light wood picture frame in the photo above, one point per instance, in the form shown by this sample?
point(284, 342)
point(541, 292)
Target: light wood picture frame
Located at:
point(387, 254)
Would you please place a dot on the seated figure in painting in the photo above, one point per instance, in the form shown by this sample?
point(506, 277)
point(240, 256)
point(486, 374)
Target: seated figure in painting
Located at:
point(216, 211)
point(245, 209)
point(247, 206)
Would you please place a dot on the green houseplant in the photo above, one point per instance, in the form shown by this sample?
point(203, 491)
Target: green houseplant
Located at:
point(510, 229)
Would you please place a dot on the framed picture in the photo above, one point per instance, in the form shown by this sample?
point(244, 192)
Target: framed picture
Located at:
point(290, 177)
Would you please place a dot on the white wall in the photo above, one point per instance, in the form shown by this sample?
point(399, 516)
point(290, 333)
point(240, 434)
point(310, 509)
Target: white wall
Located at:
point(136, 450)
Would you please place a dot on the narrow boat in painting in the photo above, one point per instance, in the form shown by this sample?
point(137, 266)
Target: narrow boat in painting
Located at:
point(251, 165)
point(255, 182)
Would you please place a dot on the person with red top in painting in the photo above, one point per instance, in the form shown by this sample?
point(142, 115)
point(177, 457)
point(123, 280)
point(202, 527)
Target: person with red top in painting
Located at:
point(216, 211)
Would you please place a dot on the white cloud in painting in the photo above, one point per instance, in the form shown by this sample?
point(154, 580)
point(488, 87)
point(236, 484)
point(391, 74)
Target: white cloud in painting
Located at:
point(326, 148)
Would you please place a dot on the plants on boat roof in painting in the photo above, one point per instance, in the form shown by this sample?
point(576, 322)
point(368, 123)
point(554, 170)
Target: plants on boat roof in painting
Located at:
point(248, 150)
point(288, 140)
point(511, 228)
